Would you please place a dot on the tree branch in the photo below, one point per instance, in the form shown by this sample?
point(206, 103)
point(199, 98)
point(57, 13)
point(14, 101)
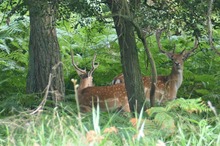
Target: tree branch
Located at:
point(209, 23)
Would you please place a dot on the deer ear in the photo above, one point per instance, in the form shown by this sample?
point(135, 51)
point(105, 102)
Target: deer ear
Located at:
point(81, 72)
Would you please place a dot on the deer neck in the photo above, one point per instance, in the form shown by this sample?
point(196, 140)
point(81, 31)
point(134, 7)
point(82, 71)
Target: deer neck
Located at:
point(84, 83)
point(176, 77)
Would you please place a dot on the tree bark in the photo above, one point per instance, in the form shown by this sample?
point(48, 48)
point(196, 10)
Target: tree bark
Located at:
point(129, 53)
point(44, 50)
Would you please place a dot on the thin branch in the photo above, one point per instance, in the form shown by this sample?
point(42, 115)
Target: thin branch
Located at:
point(212, 47)
point(43, 102)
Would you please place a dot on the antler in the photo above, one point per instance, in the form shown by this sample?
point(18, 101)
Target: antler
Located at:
point(158, 34)
point(196, 44)
point(94, 66)
point(78, 70)
point(186, 55)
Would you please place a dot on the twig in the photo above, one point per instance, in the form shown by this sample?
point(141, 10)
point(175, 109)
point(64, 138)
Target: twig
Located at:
point(43, 102)
point(209, 23)
point(39, 108)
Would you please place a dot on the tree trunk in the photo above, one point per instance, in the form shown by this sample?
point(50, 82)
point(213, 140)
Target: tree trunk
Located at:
point(129, 53)
point(44, 50)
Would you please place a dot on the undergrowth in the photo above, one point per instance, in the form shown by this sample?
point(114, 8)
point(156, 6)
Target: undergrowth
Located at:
point(181, 122)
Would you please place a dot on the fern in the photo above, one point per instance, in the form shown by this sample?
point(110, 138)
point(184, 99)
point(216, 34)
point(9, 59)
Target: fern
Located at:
point(13, 56)
point(161, 120)
point(165, 118)
point(188, 105)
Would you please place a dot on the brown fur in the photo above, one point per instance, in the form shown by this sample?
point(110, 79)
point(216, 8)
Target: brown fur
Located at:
point(107, 97)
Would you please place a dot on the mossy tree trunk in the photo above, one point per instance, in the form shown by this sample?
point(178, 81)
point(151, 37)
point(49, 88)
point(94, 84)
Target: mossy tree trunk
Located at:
point(44, 50)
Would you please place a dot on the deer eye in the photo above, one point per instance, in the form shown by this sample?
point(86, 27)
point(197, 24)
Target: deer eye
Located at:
point(83, 76)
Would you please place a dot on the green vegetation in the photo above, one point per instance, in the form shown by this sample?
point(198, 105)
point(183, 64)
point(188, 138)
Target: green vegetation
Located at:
point(192, 119)
point(181, 122)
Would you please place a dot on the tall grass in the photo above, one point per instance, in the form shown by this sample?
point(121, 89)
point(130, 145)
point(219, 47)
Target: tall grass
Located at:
point(60, 126)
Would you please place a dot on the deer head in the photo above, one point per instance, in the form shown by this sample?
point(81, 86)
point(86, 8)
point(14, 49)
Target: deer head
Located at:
point(86, 77)
point(177, 59)
point(184, 55)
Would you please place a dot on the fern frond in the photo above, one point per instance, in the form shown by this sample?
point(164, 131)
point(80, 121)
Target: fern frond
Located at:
point(163, 120)
point(155, 110)
point(188, 105)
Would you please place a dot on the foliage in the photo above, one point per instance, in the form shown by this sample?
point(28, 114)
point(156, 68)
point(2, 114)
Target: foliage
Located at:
point(11, 7)
point(15, 103)
point(180, 122)
point(91, 8)
point(60, 126)
point(13, 55)
point(92, 36)
point(189, 106)
point(176, 15)
point(201, 76)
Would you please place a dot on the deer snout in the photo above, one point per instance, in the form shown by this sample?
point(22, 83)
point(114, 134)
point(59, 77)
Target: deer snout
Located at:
point(177, 63)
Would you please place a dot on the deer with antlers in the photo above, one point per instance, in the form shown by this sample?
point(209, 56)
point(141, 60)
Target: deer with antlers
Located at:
point(107, 97)
point(167, 86)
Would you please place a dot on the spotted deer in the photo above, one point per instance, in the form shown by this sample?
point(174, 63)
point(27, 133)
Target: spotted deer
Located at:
point(107, 97)
point(167, 86)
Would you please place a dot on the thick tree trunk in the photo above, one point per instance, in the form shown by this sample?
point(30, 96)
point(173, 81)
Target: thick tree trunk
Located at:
point(129, 54)
point(44, 50)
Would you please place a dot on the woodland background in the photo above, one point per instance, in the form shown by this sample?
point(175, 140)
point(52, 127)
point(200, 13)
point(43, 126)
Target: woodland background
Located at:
point(86, 27)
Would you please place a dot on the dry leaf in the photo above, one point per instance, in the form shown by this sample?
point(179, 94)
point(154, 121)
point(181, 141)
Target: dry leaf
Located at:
point(92, 136)
point(111, 130)
point(134, 121)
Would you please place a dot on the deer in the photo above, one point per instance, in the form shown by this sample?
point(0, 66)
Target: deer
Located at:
point(107, 97)
point(166, 86)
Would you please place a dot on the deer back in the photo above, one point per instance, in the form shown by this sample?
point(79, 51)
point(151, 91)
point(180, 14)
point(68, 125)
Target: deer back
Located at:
point(108, 97)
